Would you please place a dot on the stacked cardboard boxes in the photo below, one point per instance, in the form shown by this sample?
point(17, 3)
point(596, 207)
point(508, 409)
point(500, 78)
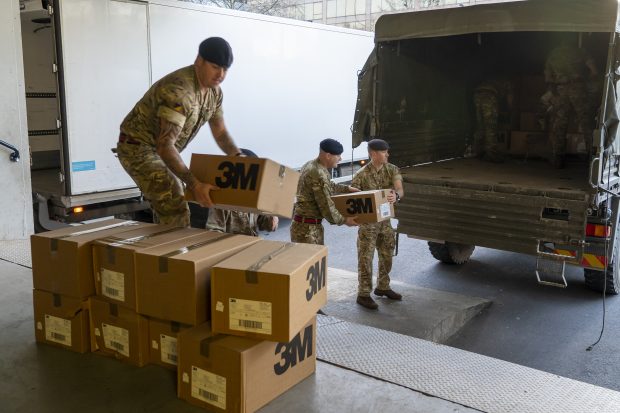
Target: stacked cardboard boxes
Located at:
point(262, 336)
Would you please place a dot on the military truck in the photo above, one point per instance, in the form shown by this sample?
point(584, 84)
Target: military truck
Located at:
point(416, 91)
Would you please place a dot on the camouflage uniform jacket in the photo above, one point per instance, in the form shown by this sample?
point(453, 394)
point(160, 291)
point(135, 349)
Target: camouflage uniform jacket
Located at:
point(501, 88)
point(314, 192)
point(237, 222)
point(368, 178)
point(176, 98)
point(566, 64)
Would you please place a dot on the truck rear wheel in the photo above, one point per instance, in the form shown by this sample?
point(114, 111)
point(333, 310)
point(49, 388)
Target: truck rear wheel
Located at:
point(451, 252)
point(595, 280)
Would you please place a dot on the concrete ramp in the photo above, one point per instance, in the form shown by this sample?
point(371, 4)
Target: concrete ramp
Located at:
point(423, 313)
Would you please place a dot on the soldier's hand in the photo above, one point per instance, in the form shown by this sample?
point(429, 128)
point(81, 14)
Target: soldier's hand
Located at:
point(274, 223)
point(202, 194)
point(353, 189)
point(391, 197)
point(351, 222)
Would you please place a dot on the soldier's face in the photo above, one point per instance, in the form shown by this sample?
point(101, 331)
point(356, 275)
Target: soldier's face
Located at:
point(379, 157)
point(334, 159)
point(209, 74)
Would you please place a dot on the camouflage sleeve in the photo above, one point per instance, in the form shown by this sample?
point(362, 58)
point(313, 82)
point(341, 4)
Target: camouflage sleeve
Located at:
point(396, 175)
point(338, 188)
point(173, 103)
point(356, 182)
point(219, 97)
point(321, 190)
point(217, 220)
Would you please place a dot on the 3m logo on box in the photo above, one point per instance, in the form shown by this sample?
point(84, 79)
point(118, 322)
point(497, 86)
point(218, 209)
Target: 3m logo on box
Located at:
point(297, 350)
point(360, 206)
point(235, 176)
point(316, 278)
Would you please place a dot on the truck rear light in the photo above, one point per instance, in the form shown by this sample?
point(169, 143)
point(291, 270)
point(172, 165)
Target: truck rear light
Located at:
point(77, 210)
point(600, 231)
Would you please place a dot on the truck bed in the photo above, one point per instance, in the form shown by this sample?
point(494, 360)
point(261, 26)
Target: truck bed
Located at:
point(511, 206)
point(531, 177)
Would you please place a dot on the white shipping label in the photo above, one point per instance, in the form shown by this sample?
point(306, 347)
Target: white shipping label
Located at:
point(385, 210)
point(113, 284)
point(116, 338)
point(168, 349)
point(209, 387)
point(58, 330)
point(247, 315)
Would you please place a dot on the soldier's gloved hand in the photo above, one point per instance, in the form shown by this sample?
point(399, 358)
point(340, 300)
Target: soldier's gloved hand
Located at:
point(202, 194)
point(353, 189)
point(351, 222)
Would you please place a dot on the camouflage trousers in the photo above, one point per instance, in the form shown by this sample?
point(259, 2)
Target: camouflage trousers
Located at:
point(570, 99)
point(306, 233)
point(379, 236)
point(158, 184)
point(485, 138)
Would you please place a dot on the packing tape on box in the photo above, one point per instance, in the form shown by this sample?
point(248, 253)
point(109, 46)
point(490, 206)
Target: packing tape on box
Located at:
point(114, 310)
point(251, 273)
point(206, 344)
point(57, 300)
point(54, 240)
point(163, 260)
point(175, 326)
point(112, 242)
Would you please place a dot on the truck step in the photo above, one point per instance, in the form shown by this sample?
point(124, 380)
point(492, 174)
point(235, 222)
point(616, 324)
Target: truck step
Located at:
point(550, 271)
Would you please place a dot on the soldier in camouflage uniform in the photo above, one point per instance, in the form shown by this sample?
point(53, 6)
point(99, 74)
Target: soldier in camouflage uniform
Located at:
point(237, 222)
point(314, 192)
point(377, 174)
point(488, 97)
point(568, 70)
point(162, 124)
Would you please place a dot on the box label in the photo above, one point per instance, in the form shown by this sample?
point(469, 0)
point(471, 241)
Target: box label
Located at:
point(113, 284)
point(384, 209)
point(168, 349)
point(116, 338)
point(247, 315)
point(296, 351)
point(209, 387)
point(316, 278)
point(235, 175)
point(58, 330)
point(356, 206)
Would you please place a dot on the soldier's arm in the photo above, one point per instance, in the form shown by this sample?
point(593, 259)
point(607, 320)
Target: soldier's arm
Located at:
point(322, 195)
point(168, 134)
point(217, 220)
point(222, 137)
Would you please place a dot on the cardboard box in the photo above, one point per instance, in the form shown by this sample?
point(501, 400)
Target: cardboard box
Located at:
point(269, 291)
point(240, 375)
point(247, 184)
point(62, 260)
point(367, 206)
point(61, 321)
point(528, 122)
point(119, 332)
point(531, 144)
point(173, 280)
point(163, 339)
point(114, 260)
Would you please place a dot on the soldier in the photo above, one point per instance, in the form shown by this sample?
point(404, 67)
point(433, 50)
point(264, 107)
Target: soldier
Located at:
point(568, 70)
point(314, 192)
point(165, 120)
point(377, 174)
point(488, 97)
point(237, 222)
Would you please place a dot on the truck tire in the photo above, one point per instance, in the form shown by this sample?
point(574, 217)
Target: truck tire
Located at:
point(451, 252)
point(595, 280)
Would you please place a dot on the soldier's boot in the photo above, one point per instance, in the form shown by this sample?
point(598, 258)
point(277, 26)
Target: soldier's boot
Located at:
point(389, 293)
point(367, 302)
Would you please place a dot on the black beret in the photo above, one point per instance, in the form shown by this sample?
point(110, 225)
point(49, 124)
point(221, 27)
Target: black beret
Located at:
point(331, 146)
point(378, 145)
point(248, 153)
point(216, 50)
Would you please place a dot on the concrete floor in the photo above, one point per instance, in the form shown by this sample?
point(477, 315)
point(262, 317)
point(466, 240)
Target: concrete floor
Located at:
point(45, 379)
